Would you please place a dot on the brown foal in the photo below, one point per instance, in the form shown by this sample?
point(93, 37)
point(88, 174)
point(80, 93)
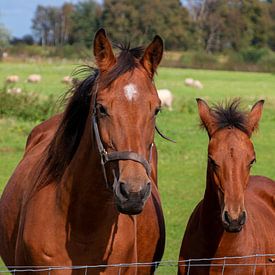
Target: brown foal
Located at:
point(237, 214)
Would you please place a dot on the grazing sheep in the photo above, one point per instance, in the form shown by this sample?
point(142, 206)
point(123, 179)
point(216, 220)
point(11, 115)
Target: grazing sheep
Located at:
point(197, 84)
point(189, 82)
point(67, 80)
point(166, 98)
point(12, 79)
point(34, 78)
point(14, 91)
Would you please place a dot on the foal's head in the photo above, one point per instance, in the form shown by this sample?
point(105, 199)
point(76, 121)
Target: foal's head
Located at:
point(230, 156)
point(126, 107)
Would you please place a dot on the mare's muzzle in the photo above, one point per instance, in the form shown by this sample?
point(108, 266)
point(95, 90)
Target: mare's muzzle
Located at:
point(129, 202)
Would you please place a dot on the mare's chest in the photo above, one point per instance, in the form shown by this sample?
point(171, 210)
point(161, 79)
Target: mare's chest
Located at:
point(50, 238)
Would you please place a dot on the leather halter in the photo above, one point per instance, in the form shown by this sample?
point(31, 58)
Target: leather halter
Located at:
point(106, 157)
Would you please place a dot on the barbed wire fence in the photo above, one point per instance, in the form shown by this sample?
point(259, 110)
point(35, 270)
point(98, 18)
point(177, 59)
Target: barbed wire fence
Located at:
point(251, 262)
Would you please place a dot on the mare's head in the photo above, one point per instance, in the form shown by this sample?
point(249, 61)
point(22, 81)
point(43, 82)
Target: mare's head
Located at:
point(230, 156)
point(126, 107)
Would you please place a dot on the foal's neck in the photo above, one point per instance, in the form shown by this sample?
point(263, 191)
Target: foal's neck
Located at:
point(211, 211)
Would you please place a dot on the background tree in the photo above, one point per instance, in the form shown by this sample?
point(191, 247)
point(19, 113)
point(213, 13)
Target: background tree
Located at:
point(169, 19)
point(67, 11)
point(4, 40)
point(233, 24)
point(271, 30)
point(41, 25)
point(53, 25)
point(54, 18)
point(141, 20)
point(85, 21)
point(121, 17)
point(207, 25)
point(255, 16)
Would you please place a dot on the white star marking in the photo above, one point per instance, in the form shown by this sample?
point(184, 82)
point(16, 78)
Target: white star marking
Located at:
point(130, 91)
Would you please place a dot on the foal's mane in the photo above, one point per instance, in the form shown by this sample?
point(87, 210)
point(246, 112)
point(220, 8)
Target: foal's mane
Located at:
point(229, 115)
point(70, 130)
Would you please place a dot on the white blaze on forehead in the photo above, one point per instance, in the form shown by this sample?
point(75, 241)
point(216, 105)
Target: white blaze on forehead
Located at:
point(130, 91)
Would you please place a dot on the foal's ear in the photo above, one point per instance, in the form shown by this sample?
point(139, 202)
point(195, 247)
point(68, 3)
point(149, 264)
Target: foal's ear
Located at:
point(103, 51)
point(152, 55)
point(254, 116)
point(206, 117)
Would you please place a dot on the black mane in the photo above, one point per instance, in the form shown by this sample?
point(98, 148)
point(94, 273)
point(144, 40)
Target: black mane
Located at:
point(68, 135)
point(229, 115)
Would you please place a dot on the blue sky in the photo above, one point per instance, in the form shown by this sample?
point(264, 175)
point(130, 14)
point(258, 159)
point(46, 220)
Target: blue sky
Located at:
point(16, 15)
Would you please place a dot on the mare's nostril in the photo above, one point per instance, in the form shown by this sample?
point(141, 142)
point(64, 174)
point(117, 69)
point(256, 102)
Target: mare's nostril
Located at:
point(145, 191)
point(123, 190)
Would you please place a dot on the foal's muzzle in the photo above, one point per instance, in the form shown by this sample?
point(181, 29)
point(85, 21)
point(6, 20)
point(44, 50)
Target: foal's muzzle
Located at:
point(233, 225)
point(128, 202)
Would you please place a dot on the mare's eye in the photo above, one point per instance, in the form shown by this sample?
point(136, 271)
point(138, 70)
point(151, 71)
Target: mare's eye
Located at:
point(102, 110)
point(252, 162)
point(213, 163)
point(157, 111)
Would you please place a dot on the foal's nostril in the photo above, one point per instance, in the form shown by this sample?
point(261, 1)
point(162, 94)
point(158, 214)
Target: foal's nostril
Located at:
point(123, 190)
point(242, 218)
point(227, 217)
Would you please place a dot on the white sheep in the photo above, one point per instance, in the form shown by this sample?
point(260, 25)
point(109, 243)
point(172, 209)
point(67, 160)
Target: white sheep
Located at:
point(166, 98)
point(189, 82)
point(34, 78)
point(14, 91)
point(12, 79)
point(5, 55)
point(197, 84)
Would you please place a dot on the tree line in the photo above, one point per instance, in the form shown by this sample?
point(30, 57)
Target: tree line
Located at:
point(210, 25)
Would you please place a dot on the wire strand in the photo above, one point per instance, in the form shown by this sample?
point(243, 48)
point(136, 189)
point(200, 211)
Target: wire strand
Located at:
point(189, 263)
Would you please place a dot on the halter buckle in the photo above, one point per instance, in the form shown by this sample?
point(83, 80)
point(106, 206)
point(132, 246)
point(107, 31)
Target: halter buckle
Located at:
point(104, 156)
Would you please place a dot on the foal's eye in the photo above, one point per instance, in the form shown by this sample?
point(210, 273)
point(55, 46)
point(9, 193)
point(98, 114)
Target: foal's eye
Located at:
point(213, 163)
point(157, 111)
point(252, 162)
point(102, 110)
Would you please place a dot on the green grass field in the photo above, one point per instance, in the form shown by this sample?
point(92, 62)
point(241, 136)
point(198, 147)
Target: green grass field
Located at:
point(181, 165)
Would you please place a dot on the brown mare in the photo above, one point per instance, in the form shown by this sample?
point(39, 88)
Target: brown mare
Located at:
point(237, 214)
point(87, 172)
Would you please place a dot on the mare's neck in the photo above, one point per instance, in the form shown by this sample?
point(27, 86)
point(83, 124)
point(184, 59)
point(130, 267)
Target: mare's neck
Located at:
point(82, 192)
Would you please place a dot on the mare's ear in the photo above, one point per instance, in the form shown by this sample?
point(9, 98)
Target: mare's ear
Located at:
point(103, 51)
point(254, 116)
point(206, 117)
point(152, 55)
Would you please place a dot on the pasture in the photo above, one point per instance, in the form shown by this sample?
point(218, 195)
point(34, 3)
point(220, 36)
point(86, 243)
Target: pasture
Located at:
point(182, 166)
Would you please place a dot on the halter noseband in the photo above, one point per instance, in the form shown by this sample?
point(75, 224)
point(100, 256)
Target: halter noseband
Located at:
point(106, 157)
